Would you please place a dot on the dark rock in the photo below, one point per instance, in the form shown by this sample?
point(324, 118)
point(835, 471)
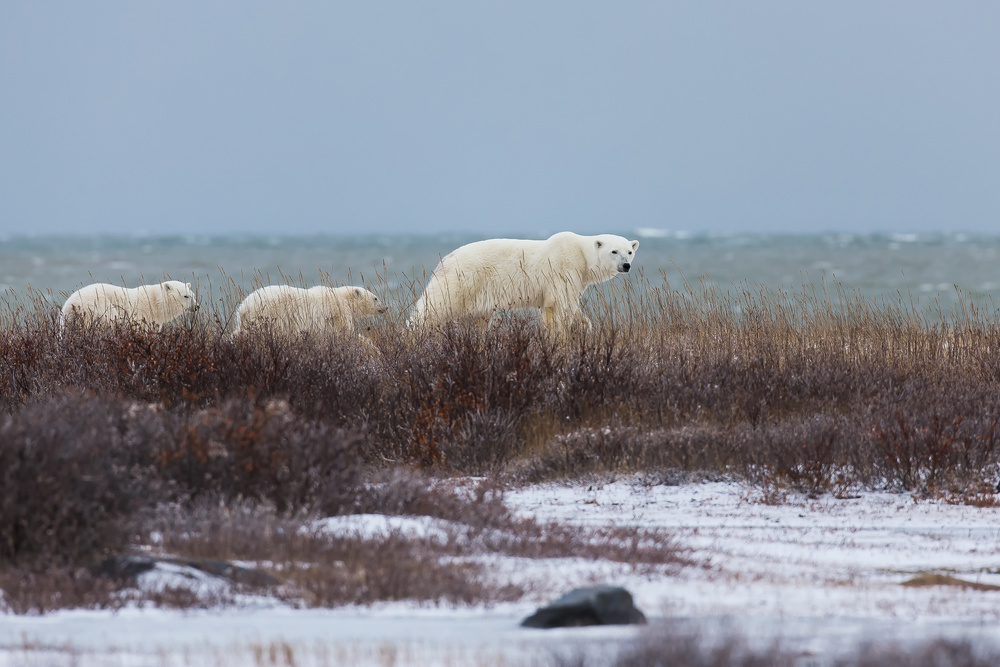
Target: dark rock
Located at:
point(596, 605)
point(127, 568)
point(124, 568)
point(227, 570)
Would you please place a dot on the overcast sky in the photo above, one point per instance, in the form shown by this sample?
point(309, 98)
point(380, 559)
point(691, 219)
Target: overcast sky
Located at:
point(499, 117)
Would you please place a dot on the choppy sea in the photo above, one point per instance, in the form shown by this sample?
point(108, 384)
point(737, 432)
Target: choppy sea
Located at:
point(923, 268)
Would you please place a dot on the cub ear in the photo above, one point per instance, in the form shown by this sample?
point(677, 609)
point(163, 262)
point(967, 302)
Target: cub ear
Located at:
point(598, 244)
point(167, 286)
point(635, 246)
point(188, 285)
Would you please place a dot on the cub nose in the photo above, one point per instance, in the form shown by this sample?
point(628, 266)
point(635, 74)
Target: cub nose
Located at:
point(625, 267)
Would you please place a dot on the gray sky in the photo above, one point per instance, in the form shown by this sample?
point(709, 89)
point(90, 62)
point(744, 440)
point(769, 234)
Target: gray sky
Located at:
point(499, 117)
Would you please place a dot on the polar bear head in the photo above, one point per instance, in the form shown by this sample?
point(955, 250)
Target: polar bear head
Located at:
point(177, 297)
point(364, 302)
point(614, 255)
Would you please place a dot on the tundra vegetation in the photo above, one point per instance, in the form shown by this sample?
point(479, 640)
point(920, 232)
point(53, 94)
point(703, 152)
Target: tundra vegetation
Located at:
point(193, 443)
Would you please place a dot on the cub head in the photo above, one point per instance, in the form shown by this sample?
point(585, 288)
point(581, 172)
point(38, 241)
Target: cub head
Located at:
point(364, 302)
point(180, 294)
point(615, 255)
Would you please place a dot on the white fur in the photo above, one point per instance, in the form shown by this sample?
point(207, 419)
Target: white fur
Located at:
point(498, 274)
point(146, 305)
point(288, 310)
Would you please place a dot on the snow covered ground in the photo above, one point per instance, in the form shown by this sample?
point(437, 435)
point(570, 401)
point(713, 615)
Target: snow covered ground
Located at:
point(821, 575)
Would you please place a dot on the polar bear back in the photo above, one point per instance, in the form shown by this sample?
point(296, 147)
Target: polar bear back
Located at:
point(503, 273)
point(480, 278)
point(150, 305)
point(287, 310)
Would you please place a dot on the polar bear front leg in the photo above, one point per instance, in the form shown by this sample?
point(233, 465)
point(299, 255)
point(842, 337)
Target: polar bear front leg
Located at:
point(563, 315)
point(576, 322)
point(549, 317)
point(562, 321)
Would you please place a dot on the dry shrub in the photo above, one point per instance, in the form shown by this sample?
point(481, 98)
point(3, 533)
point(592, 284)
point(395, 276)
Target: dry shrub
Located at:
point(937, 653)
point(263, 451)
point(356, 571)
point(70, 485)
point(812, 391)
point(691, 651)
point(320, 569)
point(78, 471)
point(931, 454)
point(459, 396)
point(408, 491)
point(804, 454)
point(668, 644)
point(30, 591)
point(644, 549)
point(484, 524)
point(227, 529)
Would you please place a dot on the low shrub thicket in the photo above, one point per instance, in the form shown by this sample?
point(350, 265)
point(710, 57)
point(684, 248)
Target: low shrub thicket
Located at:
point(319, 569)
point(811, 393)
point(324, 568)
point(664, 646)
point(472, 401)
point(70, 485)
point(79, 472)
point(873, 402)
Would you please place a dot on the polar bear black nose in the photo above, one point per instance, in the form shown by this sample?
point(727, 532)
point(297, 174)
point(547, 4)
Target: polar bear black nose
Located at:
point(625, 267)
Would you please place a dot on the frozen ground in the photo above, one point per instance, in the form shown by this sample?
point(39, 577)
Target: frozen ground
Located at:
point(821, 575)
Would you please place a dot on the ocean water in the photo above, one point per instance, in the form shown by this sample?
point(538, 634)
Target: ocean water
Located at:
point(927, 269)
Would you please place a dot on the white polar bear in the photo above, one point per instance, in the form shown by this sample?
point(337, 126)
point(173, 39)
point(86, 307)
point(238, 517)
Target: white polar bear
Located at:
point(145, 306)
point(482, 277)
point(288, 310)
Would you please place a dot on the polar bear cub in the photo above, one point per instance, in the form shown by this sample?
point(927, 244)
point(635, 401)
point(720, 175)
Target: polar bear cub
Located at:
point(288, 311)
point(146, 305)
point(497, 274)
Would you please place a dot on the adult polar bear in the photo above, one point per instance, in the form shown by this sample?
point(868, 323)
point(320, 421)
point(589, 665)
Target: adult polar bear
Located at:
point(146, 305)
point(496, 274)
point(288, 311)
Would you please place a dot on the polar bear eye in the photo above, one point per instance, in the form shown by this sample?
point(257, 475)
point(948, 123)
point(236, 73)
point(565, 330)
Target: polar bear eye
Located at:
point(614, 252)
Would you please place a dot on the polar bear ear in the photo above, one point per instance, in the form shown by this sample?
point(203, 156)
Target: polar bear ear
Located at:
point(166, 286)
point(635, 246)
point(188, 285)
point(357, 293)
point(598, 244)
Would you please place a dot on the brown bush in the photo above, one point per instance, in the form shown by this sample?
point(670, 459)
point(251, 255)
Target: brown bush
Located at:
point(78, 471)
point(262, 451)
point(666, 645)
point(30, 591)
point(70, 486)
point(322, 570)
point(937, 653)
point(815, 393)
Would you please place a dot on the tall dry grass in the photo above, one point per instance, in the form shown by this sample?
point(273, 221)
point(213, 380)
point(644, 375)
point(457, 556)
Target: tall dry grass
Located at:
point(819, 387)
